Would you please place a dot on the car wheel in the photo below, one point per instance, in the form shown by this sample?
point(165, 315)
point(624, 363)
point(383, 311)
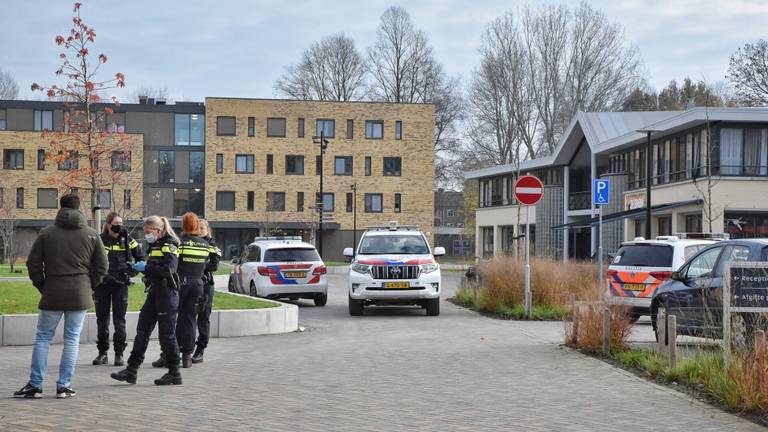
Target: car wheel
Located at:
point(433, 307)
point(231, 285)
point(321, 299)
point(356, 307)
point(253, 292)
point(741, 333)
point(657, 318)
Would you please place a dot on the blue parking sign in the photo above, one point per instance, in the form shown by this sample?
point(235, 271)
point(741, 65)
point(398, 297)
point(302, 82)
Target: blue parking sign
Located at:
point(600, 192)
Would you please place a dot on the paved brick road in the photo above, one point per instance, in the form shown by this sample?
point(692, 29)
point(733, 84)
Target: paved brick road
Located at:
point(386, 371)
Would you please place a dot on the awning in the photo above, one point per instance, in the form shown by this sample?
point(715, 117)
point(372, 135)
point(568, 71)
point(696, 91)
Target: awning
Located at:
point(628, 214)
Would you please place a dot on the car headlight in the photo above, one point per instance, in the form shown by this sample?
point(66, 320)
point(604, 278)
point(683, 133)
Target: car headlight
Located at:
point(360, 268)
point(429, 268)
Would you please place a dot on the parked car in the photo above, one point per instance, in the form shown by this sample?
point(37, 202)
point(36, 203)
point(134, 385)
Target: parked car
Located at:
point(393, 265)
point(694, 294)
point(278, 268)
point(640, 266)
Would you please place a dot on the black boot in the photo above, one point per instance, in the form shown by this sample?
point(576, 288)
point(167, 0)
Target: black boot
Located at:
point(197, 357)
point(128, 374)
point(186, 361)
point(101, 359)
point(173, 377)
point(119, 359)
point(161, 362)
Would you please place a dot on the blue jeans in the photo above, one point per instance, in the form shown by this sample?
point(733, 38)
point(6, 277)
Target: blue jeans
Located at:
point(46, 327)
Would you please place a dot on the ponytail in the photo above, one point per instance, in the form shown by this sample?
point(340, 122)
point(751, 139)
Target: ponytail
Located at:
point(161, 223)
point(168, 230)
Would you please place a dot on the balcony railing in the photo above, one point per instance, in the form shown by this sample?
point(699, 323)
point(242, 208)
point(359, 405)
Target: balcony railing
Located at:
point(579, 200)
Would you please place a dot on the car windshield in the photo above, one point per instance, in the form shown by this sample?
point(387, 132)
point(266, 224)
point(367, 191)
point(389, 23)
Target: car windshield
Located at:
point(644, 255)
point(291, 255)
point(395, 244)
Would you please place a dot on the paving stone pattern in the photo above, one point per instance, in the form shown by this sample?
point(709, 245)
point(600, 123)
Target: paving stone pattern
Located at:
point(389, 370)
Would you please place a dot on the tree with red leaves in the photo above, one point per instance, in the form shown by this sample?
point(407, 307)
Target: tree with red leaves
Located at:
point(87, 134)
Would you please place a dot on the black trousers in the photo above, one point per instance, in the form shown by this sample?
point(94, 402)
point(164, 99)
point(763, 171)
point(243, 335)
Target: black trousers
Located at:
point(115, 295)
point(160, 307)
point(189, 296)
point(204, 318)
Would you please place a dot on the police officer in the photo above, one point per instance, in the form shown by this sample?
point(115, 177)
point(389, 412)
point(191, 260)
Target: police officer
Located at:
point(162, 302)
point(206, 302)
point(193, 259)
point(113, 290)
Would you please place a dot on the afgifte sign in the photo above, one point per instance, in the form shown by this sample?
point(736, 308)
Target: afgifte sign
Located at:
point(749, 287)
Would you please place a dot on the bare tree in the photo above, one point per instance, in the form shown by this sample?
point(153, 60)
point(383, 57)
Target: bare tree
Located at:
point(331, 69)
point(706, 186)
point(9, 89)
point(748, 72)
point(151, 92)
point(8, 223)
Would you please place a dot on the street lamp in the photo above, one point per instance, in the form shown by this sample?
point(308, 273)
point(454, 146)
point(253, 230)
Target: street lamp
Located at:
point(323, 145)
point(354, 217)
point(648, 177)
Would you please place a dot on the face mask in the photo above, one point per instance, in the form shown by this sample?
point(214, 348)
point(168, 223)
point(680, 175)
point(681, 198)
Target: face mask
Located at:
point(151, 238)
point(116, 228)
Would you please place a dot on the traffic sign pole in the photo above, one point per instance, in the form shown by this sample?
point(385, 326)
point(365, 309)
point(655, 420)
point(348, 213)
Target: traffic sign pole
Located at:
point(528, 191)
point(600, 197)
point(527, 262)
point(600, 252)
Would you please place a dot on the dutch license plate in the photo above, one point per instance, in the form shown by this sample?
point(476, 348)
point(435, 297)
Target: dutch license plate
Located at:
point(295, 275)
point(634, 287)
point(397, 285)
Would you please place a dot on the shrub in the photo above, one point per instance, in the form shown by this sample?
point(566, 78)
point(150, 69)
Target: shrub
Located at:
point(586, 330)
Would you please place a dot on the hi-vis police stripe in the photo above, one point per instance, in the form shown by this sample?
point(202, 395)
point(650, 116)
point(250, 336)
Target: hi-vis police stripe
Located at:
point(165, 249)
point(133, 244)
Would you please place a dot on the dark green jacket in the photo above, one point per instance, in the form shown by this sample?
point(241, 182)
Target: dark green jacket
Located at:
point(67, 262)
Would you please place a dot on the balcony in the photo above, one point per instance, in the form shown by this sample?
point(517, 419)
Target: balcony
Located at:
point(580, 200)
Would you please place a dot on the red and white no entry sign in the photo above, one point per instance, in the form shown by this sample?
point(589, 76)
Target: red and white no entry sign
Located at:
point(529, 190)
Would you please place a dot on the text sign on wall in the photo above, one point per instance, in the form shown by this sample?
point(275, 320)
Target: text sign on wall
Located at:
point(749, 287)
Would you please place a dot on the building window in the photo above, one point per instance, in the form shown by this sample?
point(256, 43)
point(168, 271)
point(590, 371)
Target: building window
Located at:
point(487, 239)
point(343, 165)
point(392, 166)
point(121, 161)
point(276, 201)
point(43, 120)
point(166, 166)
point(350, 129)
point(398, 203)
point(20, 198)
point(188, 200)
point(225, 201)
point(270, 164)
point(190, 129)
point(251, 126)
point(225, 126)
point(250, 201)
point(127, 199)
point(116, 123)
point(196, 167)
point(398, 130)
point(373, 203)
point(105, 198)
point(41, 160)
point(301, 128)
point(13, 159)
point(46, 198)
point(3, 119)
point(349, 202)
point(219, 163)
point(374, 129)
point(327, 203)
point(294, 165)
point(665, 226)
point(299, 201)
point(70, 162)
point(326, 127)
point(368, 165)
point(244, 164)
point(318, 164)
point(693, 223)
point(276, 127)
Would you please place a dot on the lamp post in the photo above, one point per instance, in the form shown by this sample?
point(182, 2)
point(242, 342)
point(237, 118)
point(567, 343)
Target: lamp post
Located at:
point(354, 217)
point(648, 180)
point(323, 145)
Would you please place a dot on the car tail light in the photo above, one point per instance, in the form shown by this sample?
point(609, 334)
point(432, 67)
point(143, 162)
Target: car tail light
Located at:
point(320, 270)
point(266, 271)
point(662, 275)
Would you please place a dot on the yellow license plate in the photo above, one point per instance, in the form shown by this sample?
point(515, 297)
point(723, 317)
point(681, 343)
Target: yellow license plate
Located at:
point(295, 275)
point(634, 287)
point(397, 285)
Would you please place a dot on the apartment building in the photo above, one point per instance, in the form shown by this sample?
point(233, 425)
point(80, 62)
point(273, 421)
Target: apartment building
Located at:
point(450, 231)
point(709, 174)
point(250, 166)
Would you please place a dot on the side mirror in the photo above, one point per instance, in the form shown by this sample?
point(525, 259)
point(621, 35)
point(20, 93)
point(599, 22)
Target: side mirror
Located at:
point(439, 251)
point(349, 252)
point(235, 260)
point(677, 276)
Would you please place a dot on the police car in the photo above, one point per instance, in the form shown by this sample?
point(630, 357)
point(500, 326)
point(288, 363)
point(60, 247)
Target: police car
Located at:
point(394, 265)
point(280, 267)
point(640, 266)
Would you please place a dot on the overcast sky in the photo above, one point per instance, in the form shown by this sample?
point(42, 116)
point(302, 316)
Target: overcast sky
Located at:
point(238, 48)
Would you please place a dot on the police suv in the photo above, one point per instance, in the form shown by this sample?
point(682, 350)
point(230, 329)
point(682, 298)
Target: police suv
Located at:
point(394, 265)
point(280, 267)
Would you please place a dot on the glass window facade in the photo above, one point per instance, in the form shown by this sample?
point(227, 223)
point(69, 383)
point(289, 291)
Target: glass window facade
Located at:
point(225, 126)
point(105, 198)
point(219, 163)
point(196, 167)
point(398, 130)
point(294, 165)
point(350, 129)
point(43, 120)
point(327, 127)
point(20, 198)
point(374, 203)
point(190, 129)
point(121, 161)
point(166, 161)
point(13, 159)
point(343, 165)
point(250, 201)
point(398, 203)
point(328, 201)
point(367, 165)
point(299, 201)
point(188, 200)
point(270, 164)
point(392, 166)
point(276, 201)
point(46, 198)
point(225, 201)
point(374, 129)
point(3, 119)
point(349, 202)
point(244, 164)
point(276, 127)
point(300, 127)
point(41, 160)
point(251, 126)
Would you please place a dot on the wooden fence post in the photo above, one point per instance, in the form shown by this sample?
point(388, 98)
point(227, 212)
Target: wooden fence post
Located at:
point(672, 332)
point(606, 331)
point(661, 331)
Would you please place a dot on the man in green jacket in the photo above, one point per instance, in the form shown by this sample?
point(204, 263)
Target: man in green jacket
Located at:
point(66, 263)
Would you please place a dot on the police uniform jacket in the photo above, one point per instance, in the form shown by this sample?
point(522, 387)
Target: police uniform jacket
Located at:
point(119, 267)
point(162, 260)
point(193, 258)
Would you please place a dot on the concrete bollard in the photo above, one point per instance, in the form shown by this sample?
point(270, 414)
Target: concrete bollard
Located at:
point(672, 332)
point(661, 331)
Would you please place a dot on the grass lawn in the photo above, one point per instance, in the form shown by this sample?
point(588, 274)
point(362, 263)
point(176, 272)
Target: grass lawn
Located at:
point(22, 297)
point(20, 271)
point(336, 263)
